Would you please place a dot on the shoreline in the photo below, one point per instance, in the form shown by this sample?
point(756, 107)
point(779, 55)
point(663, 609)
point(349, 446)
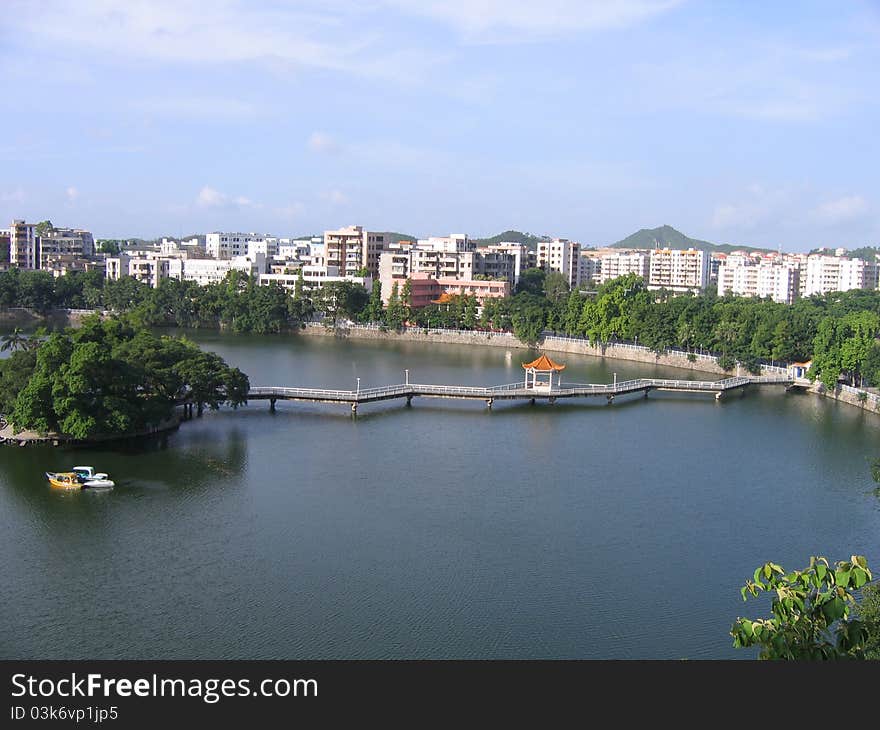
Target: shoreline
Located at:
point(27, 438)
point(708, 364)
point(856, 397)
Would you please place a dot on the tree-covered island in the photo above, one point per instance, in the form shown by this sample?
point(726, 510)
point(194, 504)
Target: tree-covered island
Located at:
point(110, 377)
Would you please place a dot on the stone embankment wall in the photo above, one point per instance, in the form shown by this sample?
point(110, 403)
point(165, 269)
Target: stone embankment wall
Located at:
point(55, 318)
point(702, 363)
point(866, 400)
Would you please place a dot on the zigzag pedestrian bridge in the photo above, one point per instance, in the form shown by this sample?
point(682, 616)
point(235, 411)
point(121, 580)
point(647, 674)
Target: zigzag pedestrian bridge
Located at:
point(522, 391)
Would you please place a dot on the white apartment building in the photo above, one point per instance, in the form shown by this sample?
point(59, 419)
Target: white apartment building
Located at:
point(453, 243)
point(823, 274)
point(620, 263)
point(314, 278)
point(562, 256)
point(150, 267)
point(748, 277)
point(213, 271)
point(352, 248)
point(24, 245)
point(226, 245)
point(678, 270)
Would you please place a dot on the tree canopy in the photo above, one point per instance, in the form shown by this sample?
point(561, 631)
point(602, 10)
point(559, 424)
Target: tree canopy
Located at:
point(112, 377)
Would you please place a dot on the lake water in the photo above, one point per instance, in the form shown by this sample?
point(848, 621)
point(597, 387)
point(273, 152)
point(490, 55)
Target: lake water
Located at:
point(574, 530)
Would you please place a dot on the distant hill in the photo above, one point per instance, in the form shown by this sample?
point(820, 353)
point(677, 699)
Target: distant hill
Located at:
point(393, 237)
point(529, 239)
point(668, 237)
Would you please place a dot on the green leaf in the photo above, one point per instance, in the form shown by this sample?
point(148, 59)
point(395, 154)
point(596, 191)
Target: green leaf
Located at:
point(842, 577)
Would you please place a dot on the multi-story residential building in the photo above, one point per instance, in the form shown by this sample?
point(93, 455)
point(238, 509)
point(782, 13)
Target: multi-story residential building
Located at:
point(24, 245)
point(227, 245)
point(523, 257)
point(751, 277)
point(151, 267)
point(352, 249)
point(613, 264)
point(65, 245)
point(453, 243)
point(205, 271)
point(823, 274)
point(562, 256)
point(678, 270)
point(148, 269)
point(399, 264)
point(314, 278)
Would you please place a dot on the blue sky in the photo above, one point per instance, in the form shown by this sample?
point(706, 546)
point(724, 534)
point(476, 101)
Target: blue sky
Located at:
point(735, 122)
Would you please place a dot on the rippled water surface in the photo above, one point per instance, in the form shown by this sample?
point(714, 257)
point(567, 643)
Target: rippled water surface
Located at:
point(572, 530)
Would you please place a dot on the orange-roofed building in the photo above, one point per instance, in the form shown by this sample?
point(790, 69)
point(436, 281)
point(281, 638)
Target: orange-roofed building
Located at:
point(542, 366)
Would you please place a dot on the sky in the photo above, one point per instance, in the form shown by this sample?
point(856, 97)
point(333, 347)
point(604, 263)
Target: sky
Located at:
point(739, 122)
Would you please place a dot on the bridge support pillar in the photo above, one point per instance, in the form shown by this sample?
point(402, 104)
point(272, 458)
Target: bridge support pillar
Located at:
point(610, 399)
point(272, 405)
point(354, 410)
point(647, 390)
point(489, 402)
point(408, 401)
point(719, 394)
point(551, 399)
point(531, 401)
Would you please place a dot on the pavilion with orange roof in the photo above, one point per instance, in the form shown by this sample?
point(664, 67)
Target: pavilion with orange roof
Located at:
point(540, 367)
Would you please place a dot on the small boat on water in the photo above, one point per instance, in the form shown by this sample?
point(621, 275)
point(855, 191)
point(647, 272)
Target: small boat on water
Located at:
point(90, 479)
point(82, 477)
point(64, 480)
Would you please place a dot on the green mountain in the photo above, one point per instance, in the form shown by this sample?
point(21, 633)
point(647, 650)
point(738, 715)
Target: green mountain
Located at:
point(529, 239)
point(392, 237)
point(668, 237)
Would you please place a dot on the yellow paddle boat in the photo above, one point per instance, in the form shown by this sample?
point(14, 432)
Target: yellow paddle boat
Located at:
point(64, 480)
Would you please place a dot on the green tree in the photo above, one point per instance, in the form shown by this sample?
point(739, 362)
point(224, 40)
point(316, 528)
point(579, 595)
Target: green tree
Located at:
point(43, 227)
point(868, 611)
point(811, 611)
point(556, 287)
point(394, 312)
point(13, 341)
point(531, 281)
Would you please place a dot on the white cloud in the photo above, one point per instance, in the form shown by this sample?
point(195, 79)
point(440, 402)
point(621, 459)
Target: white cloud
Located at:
point(72, 194)
point(756, 207)
point(322, 142)
point(335, 197)
point(281, 37)
point(209, 197)
point(291, 210)
point(194, 107)
point(500, 21)
point(12, 196)
point(842, 210)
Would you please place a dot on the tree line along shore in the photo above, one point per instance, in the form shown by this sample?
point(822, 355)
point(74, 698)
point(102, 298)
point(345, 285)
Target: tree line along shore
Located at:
point(837, 331)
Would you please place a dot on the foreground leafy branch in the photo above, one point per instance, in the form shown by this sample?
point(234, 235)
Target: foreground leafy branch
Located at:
point(811, 611)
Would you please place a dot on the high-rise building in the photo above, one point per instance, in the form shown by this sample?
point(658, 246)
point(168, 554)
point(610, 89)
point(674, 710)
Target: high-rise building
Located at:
point(562, 256)
point(678, 270)
point(24, 245)
point(352, 248)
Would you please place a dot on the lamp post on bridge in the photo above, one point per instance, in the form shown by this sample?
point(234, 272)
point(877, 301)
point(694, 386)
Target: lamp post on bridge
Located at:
point(358, 386)
point(406, 373)
point(615, 380)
